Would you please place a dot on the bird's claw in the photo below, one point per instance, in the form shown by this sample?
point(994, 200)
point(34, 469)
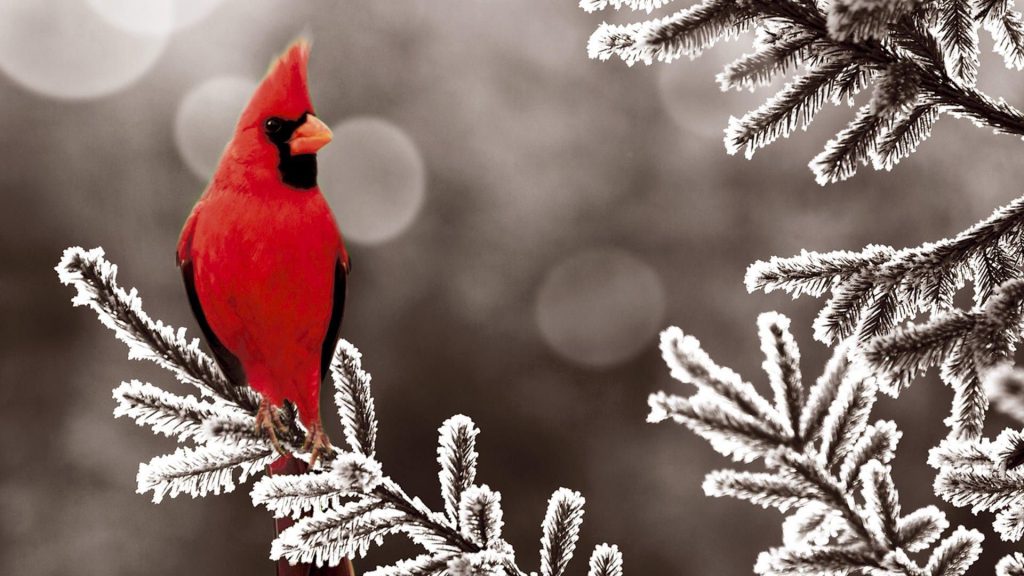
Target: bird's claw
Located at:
point(268, 423)
point(318, 444)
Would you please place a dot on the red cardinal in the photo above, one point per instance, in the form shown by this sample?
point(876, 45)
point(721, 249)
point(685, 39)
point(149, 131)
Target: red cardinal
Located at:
point(263, 261)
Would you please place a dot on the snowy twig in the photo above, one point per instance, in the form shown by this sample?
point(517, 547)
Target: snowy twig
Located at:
point(920, 279)
point(985, 476)
point(95, 280)
point(339, 511)
point(832, 470)
point(874, 290)
point(921, 56)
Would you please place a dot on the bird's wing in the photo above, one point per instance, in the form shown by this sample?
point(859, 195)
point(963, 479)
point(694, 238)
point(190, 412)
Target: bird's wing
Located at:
point(228, 362)
point(337, 311)
point(184, 250)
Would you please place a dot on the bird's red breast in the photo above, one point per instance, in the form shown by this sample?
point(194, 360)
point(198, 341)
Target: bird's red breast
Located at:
point(265, 253)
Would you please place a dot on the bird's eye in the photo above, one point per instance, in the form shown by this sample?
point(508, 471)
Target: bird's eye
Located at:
point(273, 125)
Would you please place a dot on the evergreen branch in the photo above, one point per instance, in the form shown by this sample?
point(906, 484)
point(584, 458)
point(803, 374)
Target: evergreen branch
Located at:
point(837, 528)
point(295, 495)
point(1011, 565)
point(851, 302)
point(919, 529)
point(823, 393)
point(424, 565)
point(691, 365)
point(812, 525)
point(876, 444)
point(881, 504)
point(792, 107)
point(1007, 450)
point(957, 453)
point(981, 109)
point(605, 561)
point(985, 475)
point(773, 56)
point(814, 273)
point(184, 417)
point(899, 357)
point(991, 267)
point(897, 90)
point(352, 395)
point(1007, 30)
point(687, 32)
point(854, 145)
point(961, 372)
point(824, 560)
point(646, 5)
point(95, 280)
point(341, 508)
point(956, 553)
point(958, 34)
point(855, 79)
point(730, 433)
point(847, 417)
point(989, 9)
point(761, 488)
point(967, 345)
point(1009, 523)
point(231, 427)
point(561, 531)
point(200, 471)
point(456, 452)
point(484, 563)
point(1004, 24)
point(325, 539)
point(936, 48)
point(807, 468)
point(782, 364)
point(980, 488)
point(905, 135)
point(480, 516)
point(852, 21)
point(874, 290)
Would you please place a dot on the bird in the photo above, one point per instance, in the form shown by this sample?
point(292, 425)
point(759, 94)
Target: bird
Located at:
point(263, 261)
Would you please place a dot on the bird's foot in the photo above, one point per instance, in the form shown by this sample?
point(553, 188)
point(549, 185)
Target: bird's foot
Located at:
point(318, 444)
point(268, 423)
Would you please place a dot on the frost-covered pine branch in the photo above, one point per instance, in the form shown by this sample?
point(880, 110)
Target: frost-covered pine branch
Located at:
point(345, 505)
point(1011, 565)
point(827, 465)
point(875, 290)
point(95, 282)
point(985, 475)
point(344, 511)
point(921, 56)
point(967, 345)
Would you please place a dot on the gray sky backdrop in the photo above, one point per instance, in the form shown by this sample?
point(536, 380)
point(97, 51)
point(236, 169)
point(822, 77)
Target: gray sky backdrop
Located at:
point(522, 222)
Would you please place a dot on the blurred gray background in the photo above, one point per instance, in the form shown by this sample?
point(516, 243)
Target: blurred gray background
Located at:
point(522, 221)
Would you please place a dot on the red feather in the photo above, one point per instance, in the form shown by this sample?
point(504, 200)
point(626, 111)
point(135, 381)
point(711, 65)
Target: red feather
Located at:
point(263, 255)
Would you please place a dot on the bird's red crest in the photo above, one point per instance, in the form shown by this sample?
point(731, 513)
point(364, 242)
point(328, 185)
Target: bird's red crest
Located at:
point(284, 91)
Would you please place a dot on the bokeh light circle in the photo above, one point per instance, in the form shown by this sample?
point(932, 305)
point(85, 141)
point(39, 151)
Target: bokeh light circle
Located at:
point(600, 307)
point(189, 12)
point(148, 17)
point(206, 120)
point(691, 95)
point(62, 49)
point(374, 177)
point(153, 16)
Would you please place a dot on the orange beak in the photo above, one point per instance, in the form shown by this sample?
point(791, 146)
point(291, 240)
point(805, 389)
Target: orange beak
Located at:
point(310, 137)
